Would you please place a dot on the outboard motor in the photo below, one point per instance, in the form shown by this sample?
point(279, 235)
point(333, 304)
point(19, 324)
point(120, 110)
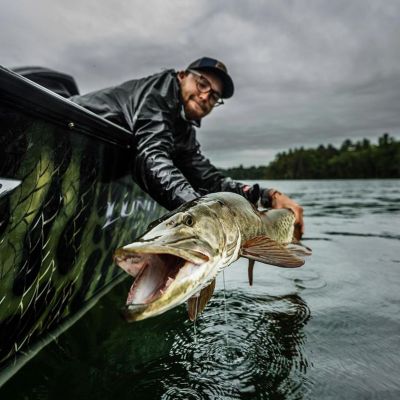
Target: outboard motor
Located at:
point(57, 82)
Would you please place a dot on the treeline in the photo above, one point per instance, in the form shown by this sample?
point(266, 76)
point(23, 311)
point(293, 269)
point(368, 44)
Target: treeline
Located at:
point(359, 159)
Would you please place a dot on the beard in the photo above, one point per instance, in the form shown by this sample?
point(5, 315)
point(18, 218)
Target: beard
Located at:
point(194, 109)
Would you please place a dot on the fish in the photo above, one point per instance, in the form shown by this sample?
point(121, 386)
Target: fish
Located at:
point(179, 257)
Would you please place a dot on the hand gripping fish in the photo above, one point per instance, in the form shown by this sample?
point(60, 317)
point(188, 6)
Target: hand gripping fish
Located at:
point(179, 257)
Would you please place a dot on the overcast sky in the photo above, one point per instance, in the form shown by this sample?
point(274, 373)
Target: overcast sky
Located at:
point(306, 72)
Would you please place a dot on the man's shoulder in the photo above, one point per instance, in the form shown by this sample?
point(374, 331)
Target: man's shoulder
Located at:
point(165, 73)
point(167, 76)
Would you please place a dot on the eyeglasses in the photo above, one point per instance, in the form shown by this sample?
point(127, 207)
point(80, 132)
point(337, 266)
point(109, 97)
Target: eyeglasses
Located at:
point(204, 86)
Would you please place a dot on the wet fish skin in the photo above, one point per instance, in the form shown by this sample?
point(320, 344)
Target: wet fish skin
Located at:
point(205, 236)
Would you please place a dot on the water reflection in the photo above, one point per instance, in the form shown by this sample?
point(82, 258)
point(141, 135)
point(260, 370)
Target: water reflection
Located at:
point(254, 350)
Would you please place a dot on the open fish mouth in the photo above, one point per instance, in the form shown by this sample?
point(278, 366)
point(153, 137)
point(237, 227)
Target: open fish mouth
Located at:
point(154, 271)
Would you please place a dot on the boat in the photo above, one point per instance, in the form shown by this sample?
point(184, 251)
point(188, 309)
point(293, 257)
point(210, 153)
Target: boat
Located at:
point(67, 200)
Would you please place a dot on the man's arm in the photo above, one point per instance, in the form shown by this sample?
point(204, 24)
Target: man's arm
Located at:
point(206, 178)
point(154, 170)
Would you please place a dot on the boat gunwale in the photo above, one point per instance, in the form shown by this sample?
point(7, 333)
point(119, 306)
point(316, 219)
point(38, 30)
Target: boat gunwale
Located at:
point(19, 92)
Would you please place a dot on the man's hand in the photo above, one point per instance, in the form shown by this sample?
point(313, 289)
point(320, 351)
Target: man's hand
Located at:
point(280, 200)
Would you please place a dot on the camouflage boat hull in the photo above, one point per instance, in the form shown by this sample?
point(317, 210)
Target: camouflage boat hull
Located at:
point(67, 200)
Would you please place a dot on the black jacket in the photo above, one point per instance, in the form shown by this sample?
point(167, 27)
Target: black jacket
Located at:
point(168, 163)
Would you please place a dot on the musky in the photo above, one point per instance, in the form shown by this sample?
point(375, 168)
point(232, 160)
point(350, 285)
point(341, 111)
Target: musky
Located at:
point(306, 72)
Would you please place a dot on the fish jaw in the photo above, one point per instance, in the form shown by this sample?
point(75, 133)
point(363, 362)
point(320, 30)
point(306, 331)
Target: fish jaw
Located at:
point(166, 274)
point(190, 279)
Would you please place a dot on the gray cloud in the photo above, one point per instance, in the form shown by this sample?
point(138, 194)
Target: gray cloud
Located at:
point(307, 72)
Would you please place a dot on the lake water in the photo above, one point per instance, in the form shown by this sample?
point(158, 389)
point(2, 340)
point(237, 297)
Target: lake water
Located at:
point(328, 330)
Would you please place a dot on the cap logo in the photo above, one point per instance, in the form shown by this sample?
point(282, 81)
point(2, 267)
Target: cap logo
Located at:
point(221, 66)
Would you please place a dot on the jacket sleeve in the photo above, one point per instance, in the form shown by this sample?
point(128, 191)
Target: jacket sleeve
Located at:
point(206, 178)
point(154, 169)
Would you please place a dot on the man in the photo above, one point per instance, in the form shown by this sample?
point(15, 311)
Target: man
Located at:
point(162, 111)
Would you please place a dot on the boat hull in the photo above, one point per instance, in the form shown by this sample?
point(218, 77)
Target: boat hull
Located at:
point(67, 200)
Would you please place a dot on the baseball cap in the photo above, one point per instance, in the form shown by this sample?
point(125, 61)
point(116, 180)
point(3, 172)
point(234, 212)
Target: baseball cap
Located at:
point(219, 69)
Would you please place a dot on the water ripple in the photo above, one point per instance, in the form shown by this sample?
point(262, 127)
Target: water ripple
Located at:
point(384, 235)
point(256, 346)
point(304, 279)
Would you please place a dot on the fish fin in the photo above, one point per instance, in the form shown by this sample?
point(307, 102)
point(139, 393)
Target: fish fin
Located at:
point(299, 249)
point(250, 271)
point(196, 304)
point(268, 251)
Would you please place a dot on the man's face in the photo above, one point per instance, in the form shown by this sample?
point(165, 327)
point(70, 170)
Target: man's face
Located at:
point(196, 103)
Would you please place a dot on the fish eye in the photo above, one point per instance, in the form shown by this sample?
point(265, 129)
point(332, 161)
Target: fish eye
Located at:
point(188, 220)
